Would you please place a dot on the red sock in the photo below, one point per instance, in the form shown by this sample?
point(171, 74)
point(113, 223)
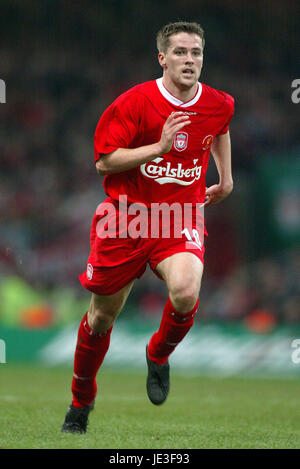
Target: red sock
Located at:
point(173, 328)
point(90, 351)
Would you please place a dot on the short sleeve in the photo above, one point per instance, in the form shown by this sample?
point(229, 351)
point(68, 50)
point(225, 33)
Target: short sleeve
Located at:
point(118, 125)
point(229, 103)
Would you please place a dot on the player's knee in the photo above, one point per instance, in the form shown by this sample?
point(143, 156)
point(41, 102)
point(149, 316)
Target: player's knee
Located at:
point(184, 297)
point(101, 318)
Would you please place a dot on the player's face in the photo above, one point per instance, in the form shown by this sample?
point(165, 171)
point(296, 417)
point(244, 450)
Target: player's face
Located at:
point(182, 63)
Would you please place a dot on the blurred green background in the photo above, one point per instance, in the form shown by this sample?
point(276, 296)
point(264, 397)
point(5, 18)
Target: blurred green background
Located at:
point(63, 63)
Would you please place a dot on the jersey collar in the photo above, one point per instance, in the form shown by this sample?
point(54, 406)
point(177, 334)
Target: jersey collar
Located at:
point(172, 99)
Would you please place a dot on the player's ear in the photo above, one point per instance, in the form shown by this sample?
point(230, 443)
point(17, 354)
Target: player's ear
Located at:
point(161, 59)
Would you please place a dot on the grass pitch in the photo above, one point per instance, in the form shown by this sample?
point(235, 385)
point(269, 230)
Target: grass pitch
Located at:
point(200, 412)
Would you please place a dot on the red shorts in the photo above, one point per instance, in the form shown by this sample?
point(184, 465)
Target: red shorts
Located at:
point(122, 245)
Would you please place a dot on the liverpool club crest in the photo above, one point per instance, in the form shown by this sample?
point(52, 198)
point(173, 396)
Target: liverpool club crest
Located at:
point(180, 141)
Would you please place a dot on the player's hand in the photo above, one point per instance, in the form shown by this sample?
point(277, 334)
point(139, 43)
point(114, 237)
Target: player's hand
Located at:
point(216, 193)
point(175, 122)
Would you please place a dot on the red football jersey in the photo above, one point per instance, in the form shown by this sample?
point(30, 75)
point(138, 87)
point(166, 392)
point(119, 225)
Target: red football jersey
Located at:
point(136, 118)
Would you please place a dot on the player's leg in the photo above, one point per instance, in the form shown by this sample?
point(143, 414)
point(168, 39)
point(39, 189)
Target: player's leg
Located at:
point(182, 273)
point(113, 265)
point(92, 344)
point(104, 309)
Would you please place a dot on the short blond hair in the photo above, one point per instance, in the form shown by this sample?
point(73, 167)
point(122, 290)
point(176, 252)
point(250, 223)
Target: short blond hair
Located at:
point(164, 34)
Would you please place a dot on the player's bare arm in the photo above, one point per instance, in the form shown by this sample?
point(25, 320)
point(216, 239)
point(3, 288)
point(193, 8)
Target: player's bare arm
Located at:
point(124, 159)
point(221, 151)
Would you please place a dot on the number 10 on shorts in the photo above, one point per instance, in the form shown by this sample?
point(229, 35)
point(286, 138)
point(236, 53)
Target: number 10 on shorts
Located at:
point(193, 238)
